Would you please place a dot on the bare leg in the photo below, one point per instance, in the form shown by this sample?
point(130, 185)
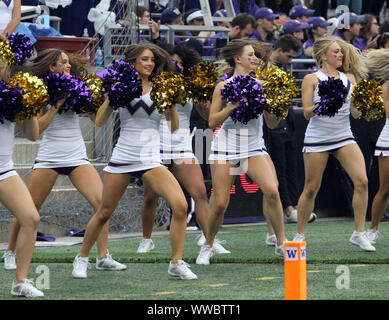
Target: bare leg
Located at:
point(15, 197)
point(222, 181)
point(40, 183)
point(148, 210)
point(314, 164)
point(166, 186)
point(381, 199)
point(87, 181)
point(352, 160)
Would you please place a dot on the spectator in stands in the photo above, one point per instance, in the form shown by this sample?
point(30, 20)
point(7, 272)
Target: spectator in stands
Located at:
point(265, 25)
point(349, 26)
point(173, 16)
point(195, 17)
point(280, 7)
point(332, 27)
point(369, 34)
point(301, 13)
point(295, 28)
point(144, 17)
point(242, 26)
point(285, 50)
point(9, 16)
point(222, 13)
point(318, 28)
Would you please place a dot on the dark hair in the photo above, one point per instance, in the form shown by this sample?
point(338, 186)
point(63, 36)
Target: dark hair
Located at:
point(242, 20)
point(80, 65)
point(287, 42)
point(40, 65)
point(366, 24)
point(383, 40)
point(161, 57)
point(140, 11)
point(189, 56)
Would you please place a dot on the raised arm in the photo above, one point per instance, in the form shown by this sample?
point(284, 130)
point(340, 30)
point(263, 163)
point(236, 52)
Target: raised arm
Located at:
point(45, 118)
point(173, 119)
point(103, 113)
point(217, 115)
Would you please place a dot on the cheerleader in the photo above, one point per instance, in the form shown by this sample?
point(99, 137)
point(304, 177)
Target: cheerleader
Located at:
point(137, 154)
point(15, 197)
point(177, 155)
point(62, 151)
point(377, 61)
point(227, 152)
point(332, 135)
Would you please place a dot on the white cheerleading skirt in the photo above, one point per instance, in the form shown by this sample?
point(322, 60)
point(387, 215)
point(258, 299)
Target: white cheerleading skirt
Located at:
point(59, 164)
point(323, 146)
point(382, 145)
point(7, 174)
point(115, 167)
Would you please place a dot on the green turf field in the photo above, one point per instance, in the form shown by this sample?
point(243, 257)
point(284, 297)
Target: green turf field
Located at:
point(336, 268)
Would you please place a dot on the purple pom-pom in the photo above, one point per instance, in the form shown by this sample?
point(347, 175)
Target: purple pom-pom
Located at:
point(21, 46)
point(333, 95)
point(248, 92)
point(11, 102)
point(60, 86)
point(122, 84)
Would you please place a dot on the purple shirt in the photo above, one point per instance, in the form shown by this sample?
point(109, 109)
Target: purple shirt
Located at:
point(360, 43)
point(257, 36)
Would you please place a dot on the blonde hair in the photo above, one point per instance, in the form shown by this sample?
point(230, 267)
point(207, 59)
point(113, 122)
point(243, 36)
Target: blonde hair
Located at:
point(235, 48)
point(352, 58)
point(377, 61)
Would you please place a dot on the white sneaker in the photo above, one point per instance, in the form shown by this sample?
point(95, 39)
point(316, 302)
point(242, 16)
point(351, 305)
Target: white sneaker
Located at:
point(312, 217)
point(201, 240)
point(217, 244)
point(80, 266)
point(372, 235)
point(360, 239)
point(279, 250)
point(145, 245)
point(9, 260)
point(181, 270)
point(205, 254)
point(292, 218)
point(271, 240)
point(25, 288)
point(218, 248)
point(109, 264)
point(299, 237)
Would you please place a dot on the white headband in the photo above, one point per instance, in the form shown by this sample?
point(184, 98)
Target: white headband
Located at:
point(194, 15)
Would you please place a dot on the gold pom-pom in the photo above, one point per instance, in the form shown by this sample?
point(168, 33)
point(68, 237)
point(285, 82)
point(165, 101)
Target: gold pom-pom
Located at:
point(201, 82)
point(35, 95)
point(95, 85)
point(279, 87)
point(6, 53)
point(367, 99)
point(168, 89)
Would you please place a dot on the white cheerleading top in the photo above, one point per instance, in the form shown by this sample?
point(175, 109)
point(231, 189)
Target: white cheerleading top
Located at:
point(7, 134)
point(324, 131)
point(237, 140)
point(62, 141)
point(5, 14)
point(177, 145)
point(138, 146)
